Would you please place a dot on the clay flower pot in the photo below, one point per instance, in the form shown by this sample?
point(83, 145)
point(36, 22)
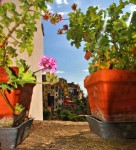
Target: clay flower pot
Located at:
point(22, 95)
point(25, 96)
point(4, 74)
point(112, 94)
point(12, 96)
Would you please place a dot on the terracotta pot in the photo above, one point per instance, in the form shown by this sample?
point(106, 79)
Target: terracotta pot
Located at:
point(25, 96)
point(4, 74)
point(112, 94)
point(5, 110)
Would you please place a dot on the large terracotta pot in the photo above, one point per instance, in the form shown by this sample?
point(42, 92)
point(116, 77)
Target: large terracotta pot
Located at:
point(5, 110)
point(112, 94)
point(22, 95)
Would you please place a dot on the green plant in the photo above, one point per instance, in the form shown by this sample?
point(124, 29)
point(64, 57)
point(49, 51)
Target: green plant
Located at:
point(18, 108)
point(80, 108)
point(58, 112)
point(46, 114)
point(106, 34)
point(16, 36)
point(66, 115)
point(17, 28)
point(11, 20)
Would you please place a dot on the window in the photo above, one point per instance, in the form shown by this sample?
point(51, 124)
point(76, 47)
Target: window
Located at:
point(42, 29)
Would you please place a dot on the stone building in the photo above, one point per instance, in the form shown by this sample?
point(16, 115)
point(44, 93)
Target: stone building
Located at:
point(60, 94)
point(74, 91)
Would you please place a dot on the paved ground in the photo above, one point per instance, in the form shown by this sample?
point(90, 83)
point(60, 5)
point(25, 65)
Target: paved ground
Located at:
point(60, 135)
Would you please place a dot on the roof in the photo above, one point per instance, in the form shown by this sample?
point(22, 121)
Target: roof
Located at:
point(68, 101)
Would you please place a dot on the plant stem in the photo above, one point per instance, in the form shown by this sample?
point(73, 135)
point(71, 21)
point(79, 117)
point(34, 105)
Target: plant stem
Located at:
point(6, 100)
point(114, 43)
point(14, 39)
point(38, 70)
point(10, 35)
point(31, 10)
point(4, 56)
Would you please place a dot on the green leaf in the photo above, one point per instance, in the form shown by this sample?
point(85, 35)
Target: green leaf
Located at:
point(23, 67)
point(5, 86)
point(11, 51)
point(30, 48)
point(19, 33)
point(22, 47)
point(104, 41)
point(11, 76)
point(51, 78)
point(51, 1)
point(27, 77)
point(132, 1)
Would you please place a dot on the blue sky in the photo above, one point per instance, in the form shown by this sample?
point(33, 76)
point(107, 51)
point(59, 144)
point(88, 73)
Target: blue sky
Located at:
point(70, 60)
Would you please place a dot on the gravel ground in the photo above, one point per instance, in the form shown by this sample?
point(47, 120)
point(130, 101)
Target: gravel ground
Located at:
point(61, 135)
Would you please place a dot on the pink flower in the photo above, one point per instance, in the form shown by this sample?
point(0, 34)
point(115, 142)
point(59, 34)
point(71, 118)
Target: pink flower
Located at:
point(48, 63)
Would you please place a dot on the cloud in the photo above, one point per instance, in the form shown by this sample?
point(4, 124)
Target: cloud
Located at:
point(63, 13)
point(42, 12)
point(49, 8)
point(65, 2)
point(59, 72)
point(133, 8)
point(62, 2)
point(86, 70)
point(59, 1)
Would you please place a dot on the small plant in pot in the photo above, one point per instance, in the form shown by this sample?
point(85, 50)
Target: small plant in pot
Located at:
point(109, 38)
point(17, 29)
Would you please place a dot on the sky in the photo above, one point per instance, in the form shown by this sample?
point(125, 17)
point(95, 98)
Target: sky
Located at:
point(70, 61)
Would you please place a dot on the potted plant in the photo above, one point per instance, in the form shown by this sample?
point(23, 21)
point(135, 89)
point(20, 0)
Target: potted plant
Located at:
point(17, 29)
point(109, 38)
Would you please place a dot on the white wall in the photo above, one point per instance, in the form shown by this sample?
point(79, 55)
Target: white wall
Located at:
point(36, 109)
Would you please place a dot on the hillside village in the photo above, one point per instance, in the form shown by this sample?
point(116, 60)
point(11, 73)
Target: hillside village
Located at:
point(61, 95)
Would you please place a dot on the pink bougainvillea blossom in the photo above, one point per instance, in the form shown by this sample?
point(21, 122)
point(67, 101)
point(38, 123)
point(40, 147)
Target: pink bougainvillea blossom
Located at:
point(48, 63)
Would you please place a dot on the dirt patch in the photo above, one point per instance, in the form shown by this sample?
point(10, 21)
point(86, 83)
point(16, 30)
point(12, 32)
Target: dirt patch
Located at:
point(61, 135)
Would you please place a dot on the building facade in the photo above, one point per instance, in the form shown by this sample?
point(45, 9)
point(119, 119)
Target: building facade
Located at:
point(60, 94)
